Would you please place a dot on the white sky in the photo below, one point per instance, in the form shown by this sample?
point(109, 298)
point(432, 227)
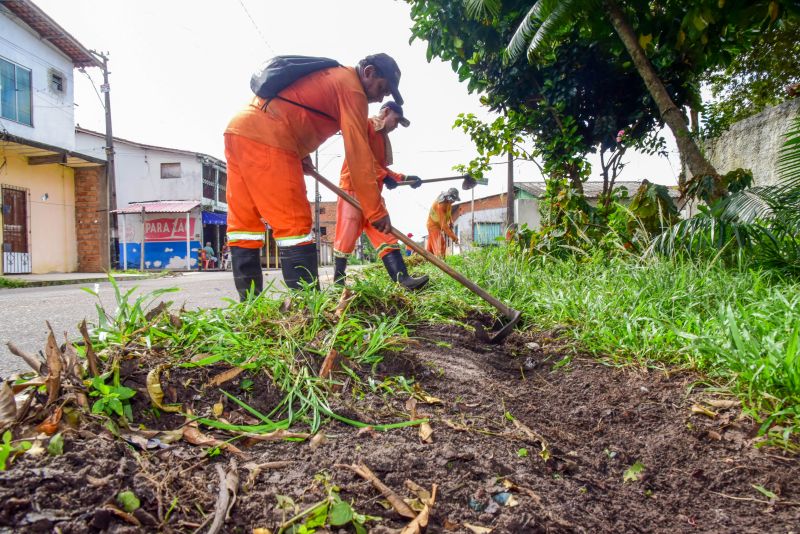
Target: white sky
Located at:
point(180, 69)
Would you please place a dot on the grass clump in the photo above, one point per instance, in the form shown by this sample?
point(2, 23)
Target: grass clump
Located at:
point(10, 283)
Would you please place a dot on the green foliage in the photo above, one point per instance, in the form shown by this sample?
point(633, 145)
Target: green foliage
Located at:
point(633, 473)
point(756, 78)
point(128, 501)
point(653, 208)
point(10, 282)
point(9, 450)
point(56, 445)
point(114, 398)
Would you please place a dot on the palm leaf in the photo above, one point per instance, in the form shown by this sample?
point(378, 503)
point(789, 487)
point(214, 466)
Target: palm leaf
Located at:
point(555, 24)
point(533, 18)
point(477, 9)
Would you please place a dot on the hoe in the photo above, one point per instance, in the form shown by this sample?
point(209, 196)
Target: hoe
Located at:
point(511, 314)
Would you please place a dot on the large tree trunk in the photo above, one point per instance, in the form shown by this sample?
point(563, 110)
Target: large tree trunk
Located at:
point(698, 165)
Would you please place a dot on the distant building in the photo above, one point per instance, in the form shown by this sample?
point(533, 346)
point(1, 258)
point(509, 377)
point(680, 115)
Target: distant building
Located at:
point(164, 191)
point(488, 222)
point(55, 198)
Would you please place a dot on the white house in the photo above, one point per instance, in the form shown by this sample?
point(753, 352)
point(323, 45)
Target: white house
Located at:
point(54, 202)
point(166, 191)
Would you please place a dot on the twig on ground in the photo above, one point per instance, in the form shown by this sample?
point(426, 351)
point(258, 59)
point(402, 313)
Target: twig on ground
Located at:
point(394, 499)
point(228, 483)
point(91, 357)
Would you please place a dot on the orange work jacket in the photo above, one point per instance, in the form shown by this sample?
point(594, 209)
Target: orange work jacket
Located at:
point(338, 93)
point(382, 151)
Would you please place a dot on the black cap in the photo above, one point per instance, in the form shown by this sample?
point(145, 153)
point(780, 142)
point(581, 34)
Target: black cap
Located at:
point(397, 108)
point(389, 71)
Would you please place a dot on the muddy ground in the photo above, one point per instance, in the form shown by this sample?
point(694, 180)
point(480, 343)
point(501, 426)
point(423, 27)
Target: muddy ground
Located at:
point(591, 422)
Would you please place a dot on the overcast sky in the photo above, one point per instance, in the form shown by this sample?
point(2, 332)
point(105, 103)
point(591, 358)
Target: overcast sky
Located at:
point(180, 69)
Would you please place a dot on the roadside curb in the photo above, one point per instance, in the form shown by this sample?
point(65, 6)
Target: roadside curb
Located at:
point(77, 281)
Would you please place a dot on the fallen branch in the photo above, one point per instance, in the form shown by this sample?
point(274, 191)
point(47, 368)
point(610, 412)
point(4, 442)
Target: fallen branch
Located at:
point(394, 499)
point(328, 363)
point(228, 483)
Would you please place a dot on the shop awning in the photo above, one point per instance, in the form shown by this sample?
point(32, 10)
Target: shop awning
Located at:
point(173, 206)
point(220, 219)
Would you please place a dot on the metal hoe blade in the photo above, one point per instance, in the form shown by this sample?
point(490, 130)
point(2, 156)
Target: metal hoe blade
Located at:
point(500, 335)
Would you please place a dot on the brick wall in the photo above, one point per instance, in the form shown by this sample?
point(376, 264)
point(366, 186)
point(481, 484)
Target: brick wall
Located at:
point(486, 203)
point(91, 219)
point(327, 219)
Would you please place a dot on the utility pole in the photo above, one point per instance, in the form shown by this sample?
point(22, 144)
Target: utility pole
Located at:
point(510, 194)
point(317, 198)
point(111, 184)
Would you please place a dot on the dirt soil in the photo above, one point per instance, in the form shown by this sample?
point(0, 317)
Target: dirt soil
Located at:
point(583, 424)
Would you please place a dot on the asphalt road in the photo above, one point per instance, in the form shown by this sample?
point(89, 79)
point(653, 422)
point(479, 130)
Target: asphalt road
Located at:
point(25, 310)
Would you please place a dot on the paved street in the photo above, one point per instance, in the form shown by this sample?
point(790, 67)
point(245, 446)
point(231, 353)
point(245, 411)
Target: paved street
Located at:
point(26, 310)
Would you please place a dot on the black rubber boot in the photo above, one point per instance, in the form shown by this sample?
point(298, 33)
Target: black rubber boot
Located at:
point(246, 265)
point(299, 263)
point(340, 266)
point(396, 267)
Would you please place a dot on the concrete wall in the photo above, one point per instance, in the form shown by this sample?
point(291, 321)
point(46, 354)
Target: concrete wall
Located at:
point(53, 113)
point(526, 211)
point(754, 143)
point(462, 226)
point(53, 246)
point(138, 171)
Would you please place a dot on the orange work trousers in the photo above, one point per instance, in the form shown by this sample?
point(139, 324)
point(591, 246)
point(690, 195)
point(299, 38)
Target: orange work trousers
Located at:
point(436, 242)
point(350, 222)
point(265, 184)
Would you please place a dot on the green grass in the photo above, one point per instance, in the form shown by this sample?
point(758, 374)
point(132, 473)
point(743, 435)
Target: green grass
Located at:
point(740, 328)
point(10, 283)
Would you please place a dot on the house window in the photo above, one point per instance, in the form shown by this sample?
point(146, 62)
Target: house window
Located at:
point(323, 230)
point(221, 186)
point(322, 211)
point(15, 93)
point(57, 81)
point(170, 170)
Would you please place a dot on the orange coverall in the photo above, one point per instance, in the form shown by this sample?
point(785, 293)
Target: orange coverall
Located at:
point(439, 219)
point(265, 147)
point(350, 222)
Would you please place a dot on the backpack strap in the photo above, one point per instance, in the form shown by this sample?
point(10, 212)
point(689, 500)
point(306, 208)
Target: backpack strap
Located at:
point(307, 108)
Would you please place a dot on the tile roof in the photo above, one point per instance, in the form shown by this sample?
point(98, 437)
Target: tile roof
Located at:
point(170, 206)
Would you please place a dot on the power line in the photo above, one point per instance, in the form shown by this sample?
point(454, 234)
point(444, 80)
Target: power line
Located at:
point(102, 103)
point(263, 38)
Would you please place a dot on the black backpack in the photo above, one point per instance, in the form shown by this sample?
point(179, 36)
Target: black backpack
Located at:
point(280, 72)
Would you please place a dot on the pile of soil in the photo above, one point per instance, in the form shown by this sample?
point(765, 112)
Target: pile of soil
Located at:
point(559, 434)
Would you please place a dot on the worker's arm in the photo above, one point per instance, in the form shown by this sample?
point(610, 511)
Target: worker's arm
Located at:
point(353, 121)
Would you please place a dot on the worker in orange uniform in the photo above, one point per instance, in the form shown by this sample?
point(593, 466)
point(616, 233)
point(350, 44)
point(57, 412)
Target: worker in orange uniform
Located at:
point(350, 222)
point(267, 146)
point(439, 220)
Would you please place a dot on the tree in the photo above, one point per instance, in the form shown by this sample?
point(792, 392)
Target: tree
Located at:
point(573, 103)
point(759, 77)
point(710, 32)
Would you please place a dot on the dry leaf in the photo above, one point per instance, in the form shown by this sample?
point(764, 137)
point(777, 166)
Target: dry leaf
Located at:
point(54, 366)
point(328, 364)
point(449, 525)
point(318, 440)
point(722, 403)
point(423, 494)
point(424, 397)
point(8, 406)
point(200, 357)
point(217, 409)
point(262, 531)
point(477, 529)
point(425, 433)
point(192, 435)
point(421, 521)
point(91, 357)
point(221, 378)
point(125, 516)
point(36, 449)
point(344, 301)
point(50, 425)
point(411, 406)
point(34, 362)
point(697, 408)
point(156, 393)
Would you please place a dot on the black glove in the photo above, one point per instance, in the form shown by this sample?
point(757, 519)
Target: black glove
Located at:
point(389, 182)
point(416, 179)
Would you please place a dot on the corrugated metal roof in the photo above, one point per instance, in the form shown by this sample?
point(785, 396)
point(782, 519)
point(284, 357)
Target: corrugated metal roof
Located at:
point(49, 30)
point(167, 206)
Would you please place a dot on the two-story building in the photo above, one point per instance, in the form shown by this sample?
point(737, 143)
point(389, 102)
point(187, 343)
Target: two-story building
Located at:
point(55, 201)
point(170, 202)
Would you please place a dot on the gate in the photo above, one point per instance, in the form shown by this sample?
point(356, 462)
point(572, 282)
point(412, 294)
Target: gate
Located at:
point(16, 255)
